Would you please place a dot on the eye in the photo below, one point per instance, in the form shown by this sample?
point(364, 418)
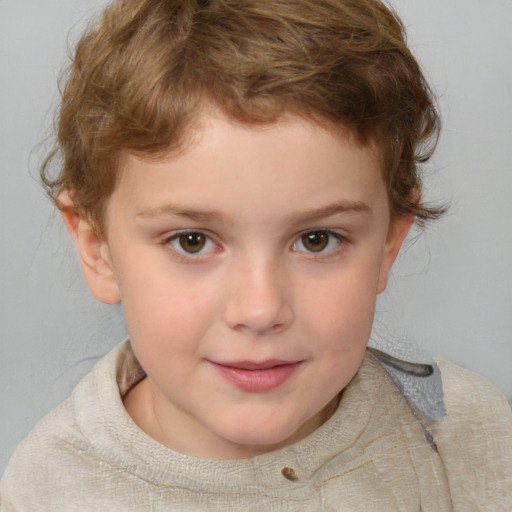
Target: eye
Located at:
point(319, 241)
point(192, 243)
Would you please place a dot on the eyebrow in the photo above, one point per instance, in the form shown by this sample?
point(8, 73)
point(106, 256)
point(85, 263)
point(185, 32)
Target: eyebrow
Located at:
point(169, 209)
point(330, 210)
point(200, 215)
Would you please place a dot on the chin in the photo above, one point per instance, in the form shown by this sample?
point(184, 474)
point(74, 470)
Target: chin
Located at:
point(258, 439)
point(262, 439)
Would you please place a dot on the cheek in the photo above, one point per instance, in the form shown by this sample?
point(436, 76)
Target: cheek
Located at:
point(338, 316)
point(169, 311)
point(167, 324)
point(343, 299)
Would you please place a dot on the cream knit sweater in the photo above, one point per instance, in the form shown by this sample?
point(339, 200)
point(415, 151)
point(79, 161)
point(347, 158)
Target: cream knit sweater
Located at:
point(373, 454)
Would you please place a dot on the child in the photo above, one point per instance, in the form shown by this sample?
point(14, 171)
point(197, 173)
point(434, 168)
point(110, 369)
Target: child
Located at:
point(241, 176)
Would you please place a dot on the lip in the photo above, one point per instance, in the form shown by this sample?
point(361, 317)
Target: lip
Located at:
point(257, 376)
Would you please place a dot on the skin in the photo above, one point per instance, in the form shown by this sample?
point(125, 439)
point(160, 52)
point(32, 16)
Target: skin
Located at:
point(298, 243)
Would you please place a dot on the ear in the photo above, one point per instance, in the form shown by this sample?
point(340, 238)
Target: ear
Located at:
point(398, 230)
point(93, 252)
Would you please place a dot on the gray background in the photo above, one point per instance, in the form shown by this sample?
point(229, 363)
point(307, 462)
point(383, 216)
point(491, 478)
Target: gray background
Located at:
point(451, 289)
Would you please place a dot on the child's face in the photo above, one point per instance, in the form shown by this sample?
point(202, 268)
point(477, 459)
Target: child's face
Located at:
point(248, 267)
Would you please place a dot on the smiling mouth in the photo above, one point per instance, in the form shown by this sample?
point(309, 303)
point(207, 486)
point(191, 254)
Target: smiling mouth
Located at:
point(257, 377)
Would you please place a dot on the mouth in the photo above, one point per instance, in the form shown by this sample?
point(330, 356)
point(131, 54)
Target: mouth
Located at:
point(253, 366)
point(257, 376)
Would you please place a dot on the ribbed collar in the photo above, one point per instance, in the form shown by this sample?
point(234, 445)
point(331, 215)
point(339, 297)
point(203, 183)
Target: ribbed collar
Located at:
point(371, 397)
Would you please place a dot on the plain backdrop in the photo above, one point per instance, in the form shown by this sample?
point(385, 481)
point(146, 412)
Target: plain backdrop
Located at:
point(451, 289)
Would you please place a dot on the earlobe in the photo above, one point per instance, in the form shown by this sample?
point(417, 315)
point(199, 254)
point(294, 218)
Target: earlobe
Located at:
point(93, 252)
point(396, 236)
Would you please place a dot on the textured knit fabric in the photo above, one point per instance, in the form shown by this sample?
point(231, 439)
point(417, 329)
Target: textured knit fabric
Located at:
point(413, 371)
point(376, 453)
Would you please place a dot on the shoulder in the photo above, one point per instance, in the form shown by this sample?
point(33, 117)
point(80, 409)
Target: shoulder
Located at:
point(65, 447)
point(40, 460)
point(469, 397)
point(475, 440)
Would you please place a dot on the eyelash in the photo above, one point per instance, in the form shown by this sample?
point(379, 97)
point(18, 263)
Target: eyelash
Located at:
point(178, 250)
point(181, 252)
point(339, 239)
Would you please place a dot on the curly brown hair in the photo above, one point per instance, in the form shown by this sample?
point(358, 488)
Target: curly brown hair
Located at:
point(142, 75)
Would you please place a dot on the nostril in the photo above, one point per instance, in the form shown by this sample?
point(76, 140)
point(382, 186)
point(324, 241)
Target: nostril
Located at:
point(272, 329)
point(256, 302)
point(277, 328)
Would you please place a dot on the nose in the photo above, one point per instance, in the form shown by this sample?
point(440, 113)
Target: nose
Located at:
point(258, 297)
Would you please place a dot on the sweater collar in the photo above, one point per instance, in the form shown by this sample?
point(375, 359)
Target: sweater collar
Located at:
point(370, 403)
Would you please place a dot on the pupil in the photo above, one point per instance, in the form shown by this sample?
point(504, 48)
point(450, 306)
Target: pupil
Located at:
point(316, 242)
point(192, 242)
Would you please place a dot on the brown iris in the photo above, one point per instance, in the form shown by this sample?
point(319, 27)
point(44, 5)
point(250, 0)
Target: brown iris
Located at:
point(315, 241)
point(192, 242)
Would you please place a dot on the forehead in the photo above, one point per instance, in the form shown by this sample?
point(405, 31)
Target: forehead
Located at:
point(287, 165)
